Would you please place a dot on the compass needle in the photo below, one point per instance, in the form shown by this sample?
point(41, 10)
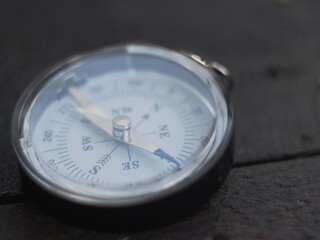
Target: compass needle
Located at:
point(84, 102)
point(126, 126)
point(136, 140)
point(98, 117)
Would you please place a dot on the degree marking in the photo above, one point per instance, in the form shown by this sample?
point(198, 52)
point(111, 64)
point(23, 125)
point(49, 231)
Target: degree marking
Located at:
point(56, 149)
point(191, 139)
point(73, 170)
point(62, 152)
point(198, 125)
point(78, 173)
point(187, 147)
point(182, 155)
point(82, 175)
point(59, 136)
point(68, 163)
point(189, 135)
point(63, 161)
point(180, 159)
point(71, 166)
point(186, 152)
point(63, 132)
point(184, 115)
point(189, 131)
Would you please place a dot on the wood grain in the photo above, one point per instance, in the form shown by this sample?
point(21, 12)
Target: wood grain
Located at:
point(266, 201)
point(271, 201)
point(273, 51)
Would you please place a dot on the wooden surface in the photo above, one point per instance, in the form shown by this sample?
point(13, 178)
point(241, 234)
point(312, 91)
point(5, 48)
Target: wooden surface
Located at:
point(273, 51)
point(265, 201)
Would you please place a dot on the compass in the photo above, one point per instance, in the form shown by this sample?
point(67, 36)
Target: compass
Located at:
point(125, 126)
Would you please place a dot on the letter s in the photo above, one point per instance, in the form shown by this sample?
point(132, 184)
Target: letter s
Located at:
point(95, 169)
point(135, 164)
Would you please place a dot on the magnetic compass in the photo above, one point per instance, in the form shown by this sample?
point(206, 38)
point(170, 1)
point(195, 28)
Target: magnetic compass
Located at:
point(125, 126)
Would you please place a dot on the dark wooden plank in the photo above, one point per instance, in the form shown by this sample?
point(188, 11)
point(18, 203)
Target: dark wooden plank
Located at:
point(276, 96)
point(271, 201)
point(28, 221)
point(266, 201)
point(272, 48)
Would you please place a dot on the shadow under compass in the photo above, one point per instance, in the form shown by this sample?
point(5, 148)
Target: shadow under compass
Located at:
point(163, 211)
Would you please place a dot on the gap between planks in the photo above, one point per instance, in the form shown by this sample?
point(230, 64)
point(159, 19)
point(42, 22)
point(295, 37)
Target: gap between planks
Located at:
point(278, 158)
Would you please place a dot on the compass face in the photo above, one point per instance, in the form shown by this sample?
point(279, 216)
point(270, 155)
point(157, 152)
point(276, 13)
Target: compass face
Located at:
point(121, 126)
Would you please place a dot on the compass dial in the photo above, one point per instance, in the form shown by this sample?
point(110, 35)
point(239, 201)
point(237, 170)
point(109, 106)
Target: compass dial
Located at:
point(120, 126)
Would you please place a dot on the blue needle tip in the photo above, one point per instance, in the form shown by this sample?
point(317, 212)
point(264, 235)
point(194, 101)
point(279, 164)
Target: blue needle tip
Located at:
point(159, 152)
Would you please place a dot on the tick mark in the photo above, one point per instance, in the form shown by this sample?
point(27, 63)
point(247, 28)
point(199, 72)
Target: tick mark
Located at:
point(59, 136)
point(187, 147)
point(73, 170)
point(182, 155)
point(63, 161)
point(62, 152)
point(189, 135)
point(82, 175)
point(186, 152)
point(61, 144)
point(191, 139)
point(185, 115)
point(198, 125)
point(56, 149)
point(78, 173)
point(180, 159)
point(68, 163)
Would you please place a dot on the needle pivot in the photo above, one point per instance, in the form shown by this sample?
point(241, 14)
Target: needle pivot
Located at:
point(121, 128)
